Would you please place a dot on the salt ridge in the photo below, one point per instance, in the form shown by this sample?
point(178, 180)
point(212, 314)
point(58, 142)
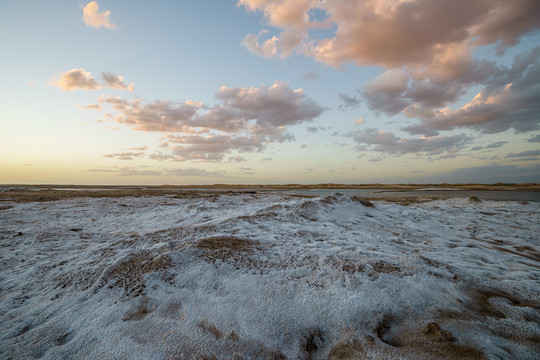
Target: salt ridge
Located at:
point(269, 276)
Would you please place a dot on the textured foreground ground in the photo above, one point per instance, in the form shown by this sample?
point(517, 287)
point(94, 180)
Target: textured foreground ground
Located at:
point(268, 276)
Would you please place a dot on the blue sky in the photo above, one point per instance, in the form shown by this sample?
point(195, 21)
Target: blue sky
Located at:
point(269, 91)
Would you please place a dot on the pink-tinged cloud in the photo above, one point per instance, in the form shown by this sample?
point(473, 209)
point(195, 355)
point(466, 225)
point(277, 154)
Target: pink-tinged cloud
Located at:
point(245, 120)
point(146, 171)
point(266, 49)
point(162, 116)
point(91, 107)
point(277, 105)
point(116, 82)
point(259, 110)
point(509, 100)
point(392, 33)
point(76, 79)
point(94, 18)
point(125, 155)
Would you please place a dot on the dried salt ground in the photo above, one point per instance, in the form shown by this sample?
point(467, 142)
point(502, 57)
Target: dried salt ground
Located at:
point(269, 276)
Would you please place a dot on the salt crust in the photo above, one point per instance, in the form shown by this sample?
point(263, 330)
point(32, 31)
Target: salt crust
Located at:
point(269, 276)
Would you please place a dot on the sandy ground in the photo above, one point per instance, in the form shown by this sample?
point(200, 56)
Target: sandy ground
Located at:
point(145, 273)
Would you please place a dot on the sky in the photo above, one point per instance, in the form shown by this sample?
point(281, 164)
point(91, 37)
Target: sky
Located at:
point(269, 91)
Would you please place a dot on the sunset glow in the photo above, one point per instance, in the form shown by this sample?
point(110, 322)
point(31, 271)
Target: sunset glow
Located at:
point(270, 92)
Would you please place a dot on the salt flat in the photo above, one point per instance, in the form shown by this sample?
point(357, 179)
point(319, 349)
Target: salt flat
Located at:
point(269, 276)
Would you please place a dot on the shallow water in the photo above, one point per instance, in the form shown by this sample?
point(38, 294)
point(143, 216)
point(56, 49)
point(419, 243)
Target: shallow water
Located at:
point(509, 195)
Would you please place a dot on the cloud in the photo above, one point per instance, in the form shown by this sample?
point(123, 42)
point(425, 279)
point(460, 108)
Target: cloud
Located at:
point(145, 171)
point(192, 172)
point(425, 47)
point(348, 101)
point(418, 93)
point(494, 145)
point(133, 171)
point(507, 21)
point(125, 155)
point(489, 174)
point(91, 107)
point(391, 33)
point(116, 82)
point(139, 148)
point(246, 119)
point(497, 144)
point(236, 159)
point(508, 98)
point(535, 138)
point(387, 142)
point(259, 110)
point(75, 79)
point(311, 75)
point(94, 18)
point(267, 49)
point(277, 105)
point(384, 93)
point(525, 154)
point(359, 121)
point(213, 147)
point(291, 16)
point(161, 157)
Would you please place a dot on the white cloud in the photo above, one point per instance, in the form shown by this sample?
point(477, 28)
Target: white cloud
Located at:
point(94, 18)
point(76, 79)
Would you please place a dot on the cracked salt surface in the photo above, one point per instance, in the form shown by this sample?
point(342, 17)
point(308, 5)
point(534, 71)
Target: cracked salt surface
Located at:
point(269, 276)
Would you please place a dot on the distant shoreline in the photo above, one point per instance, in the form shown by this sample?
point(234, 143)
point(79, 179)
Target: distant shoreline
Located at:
point(444, 186)
point(409, 193)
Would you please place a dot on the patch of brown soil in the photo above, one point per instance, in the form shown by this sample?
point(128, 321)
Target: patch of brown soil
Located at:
point(128, 273)
point(433, 342)
point(362, 201)
point(347, 349)
point(227, 248)
point(386, 267)
point(24, 195)
point(208, 327)
point(481, 305)
point(81, 279)
point(434, 332)
point(531, 255)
